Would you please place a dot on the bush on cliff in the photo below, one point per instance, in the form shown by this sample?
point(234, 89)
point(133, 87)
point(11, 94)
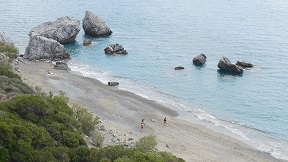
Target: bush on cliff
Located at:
point(9, 50)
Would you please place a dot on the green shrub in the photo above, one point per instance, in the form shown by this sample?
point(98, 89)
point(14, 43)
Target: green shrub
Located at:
point(147, 143)
point(7, 71)
point(97, 138)
point(9, 50)
point(87, 121)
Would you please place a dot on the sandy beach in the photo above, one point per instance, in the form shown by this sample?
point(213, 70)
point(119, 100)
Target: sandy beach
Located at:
point(121, 112)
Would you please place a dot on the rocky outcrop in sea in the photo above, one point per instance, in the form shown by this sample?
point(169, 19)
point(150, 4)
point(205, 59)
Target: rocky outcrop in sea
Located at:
point(199, 60)
point(225, 64)
point(63, 30)
point(93, 25)
point(40, 47)
point(115, 49)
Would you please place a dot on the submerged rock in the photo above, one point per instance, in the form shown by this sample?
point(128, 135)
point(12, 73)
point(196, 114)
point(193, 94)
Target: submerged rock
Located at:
point(199, 60)
point(93, 25)
point(6, 40)
point(40, 47)
point(225, 64)
point(179, 68)
point(87, 42)
point(63, 30)
point(115, 49)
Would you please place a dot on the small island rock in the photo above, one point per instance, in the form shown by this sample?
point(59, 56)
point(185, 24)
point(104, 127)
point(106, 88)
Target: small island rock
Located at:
point(115, 49)
point(225, 64)
point(199, 60)
point(63, 30)
point(44, 48)
point(244, 64)
point(6, 40)
point(93, 25)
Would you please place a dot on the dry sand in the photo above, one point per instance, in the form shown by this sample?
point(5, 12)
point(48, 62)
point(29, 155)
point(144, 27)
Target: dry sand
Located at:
point(121, 112)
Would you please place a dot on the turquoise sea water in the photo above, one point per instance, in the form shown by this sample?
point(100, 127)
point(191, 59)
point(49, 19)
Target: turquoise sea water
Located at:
point(160, 35)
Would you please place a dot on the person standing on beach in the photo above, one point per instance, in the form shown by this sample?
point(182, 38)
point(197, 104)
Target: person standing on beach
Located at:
point(142, 126)
point(165, 121)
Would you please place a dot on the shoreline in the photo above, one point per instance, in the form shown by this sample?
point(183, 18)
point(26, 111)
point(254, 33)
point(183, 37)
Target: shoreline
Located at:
point(121, 113)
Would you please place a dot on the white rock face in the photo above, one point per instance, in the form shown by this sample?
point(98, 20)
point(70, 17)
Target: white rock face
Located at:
point(6, 40)
point(40, 47)
point(63, 30)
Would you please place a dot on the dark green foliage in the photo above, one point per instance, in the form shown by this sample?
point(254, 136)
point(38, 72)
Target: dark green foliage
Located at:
point(7, 71)
point(147, 143)
point(87, 121)
point(8, 50)
point(43, 128)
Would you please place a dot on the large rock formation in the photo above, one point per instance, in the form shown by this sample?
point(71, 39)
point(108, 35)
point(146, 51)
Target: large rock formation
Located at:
point(93, 25)
point(225, 64)
point(199, 60)
point(6, 40)
point(44, 48)
point(63, 30)
point(115, 49)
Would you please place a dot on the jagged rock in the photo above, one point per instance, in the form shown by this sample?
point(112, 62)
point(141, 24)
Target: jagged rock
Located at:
point(40, 47)
point(115, 49)
point(93, 25)
point(61, 66)
point(101, 128)
point(63, 30)
point(199, 60)
point(179, 68)
point(87, 42)
point(244, 64)
point(6, 40)
point(113, 83)
point(225, 64)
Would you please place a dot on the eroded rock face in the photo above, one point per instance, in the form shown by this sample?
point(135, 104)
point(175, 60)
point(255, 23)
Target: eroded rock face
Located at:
point(6, 40)
point(40, 47)
point(199, 60)
point(93, 25)
point(115, 49)
point(63, 30)
point(225, 64)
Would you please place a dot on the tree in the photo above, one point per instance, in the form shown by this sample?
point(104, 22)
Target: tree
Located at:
point(147, 143)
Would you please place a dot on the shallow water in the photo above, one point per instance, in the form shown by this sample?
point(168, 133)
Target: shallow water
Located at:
point(160, 35)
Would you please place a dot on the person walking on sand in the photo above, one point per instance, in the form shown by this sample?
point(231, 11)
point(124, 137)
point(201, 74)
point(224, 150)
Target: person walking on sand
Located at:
point(142, 126)
point(165, 121)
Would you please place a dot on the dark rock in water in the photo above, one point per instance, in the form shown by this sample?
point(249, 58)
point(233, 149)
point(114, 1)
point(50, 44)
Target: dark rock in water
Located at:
point(6, 40)
point(113, 83)
point(225, 64)
point(63, 30)
point(40, 47)
point(61, 66)
point(199, 60)
point(115, 49)
point(93, 25)
point(244, 64)
point(87, 42)
point(179, 68)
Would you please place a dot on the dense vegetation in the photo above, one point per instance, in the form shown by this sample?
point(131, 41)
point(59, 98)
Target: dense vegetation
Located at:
point(42, 127)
